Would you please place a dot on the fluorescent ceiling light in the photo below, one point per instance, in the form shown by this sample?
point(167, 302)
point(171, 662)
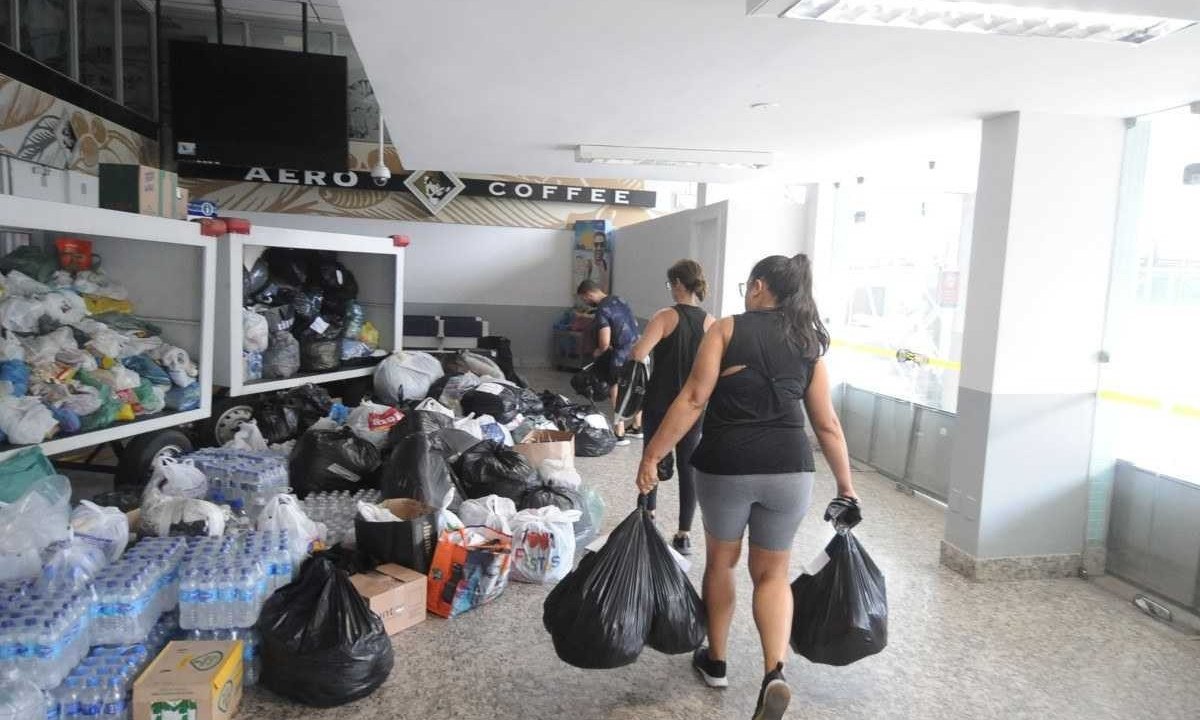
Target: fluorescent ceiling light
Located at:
point(990, 18)
point(672, 157)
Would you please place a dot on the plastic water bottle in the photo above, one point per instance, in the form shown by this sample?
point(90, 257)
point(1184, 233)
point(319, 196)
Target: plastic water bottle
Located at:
point(50, 702)
point(115, 705)
point(20, 700)
point(226, 599)
point(91, 701)
point(68, 698)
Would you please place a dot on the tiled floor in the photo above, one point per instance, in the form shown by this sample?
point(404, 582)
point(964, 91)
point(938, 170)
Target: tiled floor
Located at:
point(1045, 650)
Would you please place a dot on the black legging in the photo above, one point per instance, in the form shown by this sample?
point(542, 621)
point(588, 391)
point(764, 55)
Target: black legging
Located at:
point(685, 474)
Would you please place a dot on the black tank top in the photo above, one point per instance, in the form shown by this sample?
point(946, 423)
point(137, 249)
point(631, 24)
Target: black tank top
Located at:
point(674, 356)
point(755, 419)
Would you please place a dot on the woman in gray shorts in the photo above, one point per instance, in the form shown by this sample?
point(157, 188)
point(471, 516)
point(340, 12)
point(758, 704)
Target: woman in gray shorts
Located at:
point(757, 373)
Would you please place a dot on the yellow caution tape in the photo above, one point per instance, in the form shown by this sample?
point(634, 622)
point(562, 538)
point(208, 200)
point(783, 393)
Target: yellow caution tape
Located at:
point(891, 354)
point(1150, 403)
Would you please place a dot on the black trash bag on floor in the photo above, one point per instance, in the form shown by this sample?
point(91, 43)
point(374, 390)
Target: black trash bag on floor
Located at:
point(329, 460)
point(489, 468)
point(589, 441)
point(278, 418)
point(548, 494)
point(504, 357)
point(680, 623)
point(417, 422)
point(417, 469)
point(502, 402)
point(313, 403)
point(553, 404)
point(321, 643)
point(841, 612)
point(589, 383)
point(600, 615)
point(531, 403)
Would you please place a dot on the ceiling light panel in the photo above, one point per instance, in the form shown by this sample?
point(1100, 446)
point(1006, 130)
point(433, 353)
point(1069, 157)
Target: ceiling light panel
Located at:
point(673, 157)
point(989, 18)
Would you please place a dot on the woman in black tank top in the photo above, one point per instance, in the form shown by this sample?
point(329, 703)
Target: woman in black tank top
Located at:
point(672, 339)
point(757, 374)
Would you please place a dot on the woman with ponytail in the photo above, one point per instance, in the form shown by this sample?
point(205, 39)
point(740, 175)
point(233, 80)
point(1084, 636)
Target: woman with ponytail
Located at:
point(757, 373)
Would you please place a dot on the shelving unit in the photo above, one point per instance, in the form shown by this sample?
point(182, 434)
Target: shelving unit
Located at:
point(378, 267)
point(170, 272)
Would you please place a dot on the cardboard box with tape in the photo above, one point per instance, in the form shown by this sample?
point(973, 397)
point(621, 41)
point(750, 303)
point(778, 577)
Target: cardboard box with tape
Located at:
point(396, 594)
point(191, 681)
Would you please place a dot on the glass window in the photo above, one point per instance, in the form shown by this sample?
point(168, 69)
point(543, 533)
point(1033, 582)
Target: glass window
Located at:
point(898, 289)
point(97, 49)
point(6, 22)
point(320, 42)
point(136, 40)
point(44, 33)
point(1151, 388)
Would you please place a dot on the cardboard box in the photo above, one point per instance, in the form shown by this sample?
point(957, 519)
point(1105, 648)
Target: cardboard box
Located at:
point(182, 197)
point(540, 445)
point(138, 189)
point(395, 593)
point(191, 681)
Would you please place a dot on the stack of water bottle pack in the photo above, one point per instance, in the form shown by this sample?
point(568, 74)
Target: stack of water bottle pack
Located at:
point(132, 593)
point(336, 509)
point(243, 479)
point(224, 581)
point(42, 636)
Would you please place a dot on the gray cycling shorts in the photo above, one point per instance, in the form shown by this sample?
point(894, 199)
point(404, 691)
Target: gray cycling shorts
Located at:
point(771, 505)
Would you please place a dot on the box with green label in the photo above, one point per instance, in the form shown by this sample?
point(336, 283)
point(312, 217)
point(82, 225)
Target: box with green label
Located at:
point(140, 189)
point(191, 681)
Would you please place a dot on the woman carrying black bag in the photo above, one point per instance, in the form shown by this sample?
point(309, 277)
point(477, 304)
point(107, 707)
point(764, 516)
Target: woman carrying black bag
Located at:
point(757, 373)
point(672, 338)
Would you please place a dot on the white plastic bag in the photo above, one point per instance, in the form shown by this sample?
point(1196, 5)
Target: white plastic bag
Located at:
point(177, 478)
point(543, 544)
point(105, 528)
point(458, 386)
point(372, 422)
point(197, 516)
point(83, 399)
point(25, 420)
point(44, 349)
point(248, 437)
point(432, 405)
point(493, 512)
point(20, 314)
point(132, 345)
point(94, 282)
point(18, 283)
point(70, 566)
point(178, 364)
point(284, 512)
point(106, 342)
point(493, 430)
point(562, 473)
point(255, 336)
point(64, 307)
point(470, 425)
point(31, 524)
point(406, 376)
point(10, 347)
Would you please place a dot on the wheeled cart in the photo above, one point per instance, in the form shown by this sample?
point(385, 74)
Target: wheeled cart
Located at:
point(169, 270)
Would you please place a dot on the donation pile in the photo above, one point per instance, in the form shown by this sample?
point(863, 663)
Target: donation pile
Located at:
point(73, 356)
point(302, 314)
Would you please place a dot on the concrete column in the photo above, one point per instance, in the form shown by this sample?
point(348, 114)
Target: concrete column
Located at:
point(1041, 253)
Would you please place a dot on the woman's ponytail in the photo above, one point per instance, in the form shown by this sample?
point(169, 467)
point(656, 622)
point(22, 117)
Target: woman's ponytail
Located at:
point(790, 281)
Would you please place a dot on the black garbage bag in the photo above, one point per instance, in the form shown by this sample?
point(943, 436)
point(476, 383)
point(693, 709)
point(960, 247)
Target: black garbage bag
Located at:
point(531, 403)
point(330, 460)
point(489, 468)
point(680, 623)
point(280, 318)
point(321, 644)
point(600, 615)
point(31, 260)
point(256, 278)
point(417, 469)
point(337, 282)
point(590, 441)
point(841, 612)
point(282, 358)
point(452, 443)
point(306, 304)
point(288, 266)
point(417, 422)
point(589, 383)
point(554, 404)
point(275, 294)
point(549, 494)
point(312, 401)
point(504, 357)
point(631, 388)
point(278, 418)
point(320, 355)
point(502, 402)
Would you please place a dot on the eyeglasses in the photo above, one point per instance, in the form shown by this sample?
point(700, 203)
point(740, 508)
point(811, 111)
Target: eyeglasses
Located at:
point(742, 289)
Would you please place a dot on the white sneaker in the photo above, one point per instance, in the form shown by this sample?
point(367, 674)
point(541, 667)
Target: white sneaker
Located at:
point(622, 442)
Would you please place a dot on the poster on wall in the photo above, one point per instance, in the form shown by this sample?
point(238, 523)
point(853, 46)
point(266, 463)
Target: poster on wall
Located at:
point(593, 254)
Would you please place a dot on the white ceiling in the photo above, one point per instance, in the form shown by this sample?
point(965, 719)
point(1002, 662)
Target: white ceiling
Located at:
point(514, 86)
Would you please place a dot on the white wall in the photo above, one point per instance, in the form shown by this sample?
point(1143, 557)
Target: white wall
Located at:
point(645, 251)
point(760, 224)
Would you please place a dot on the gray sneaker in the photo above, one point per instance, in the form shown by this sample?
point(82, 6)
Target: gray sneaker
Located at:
point(774, 697)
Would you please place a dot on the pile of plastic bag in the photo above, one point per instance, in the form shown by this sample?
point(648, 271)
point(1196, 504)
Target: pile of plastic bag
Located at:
point(302, 313)
point(73, 357)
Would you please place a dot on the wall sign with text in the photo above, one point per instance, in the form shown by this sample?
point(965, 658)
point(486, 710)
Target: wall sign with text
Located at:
point(474, 187)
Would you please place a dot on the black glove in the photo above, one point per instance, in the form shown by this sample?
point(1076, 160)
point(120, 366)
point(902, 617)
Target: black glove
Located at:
point(843, 512)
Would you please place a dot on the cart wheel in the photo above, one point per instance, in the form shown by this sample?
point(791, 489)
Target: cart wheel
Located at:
point(227, 415)
point(140, 453)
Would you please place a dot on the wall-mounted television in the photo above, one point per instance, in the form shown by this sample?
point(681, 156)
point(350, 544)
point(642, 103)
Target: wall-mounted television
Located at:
point(247, 106)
